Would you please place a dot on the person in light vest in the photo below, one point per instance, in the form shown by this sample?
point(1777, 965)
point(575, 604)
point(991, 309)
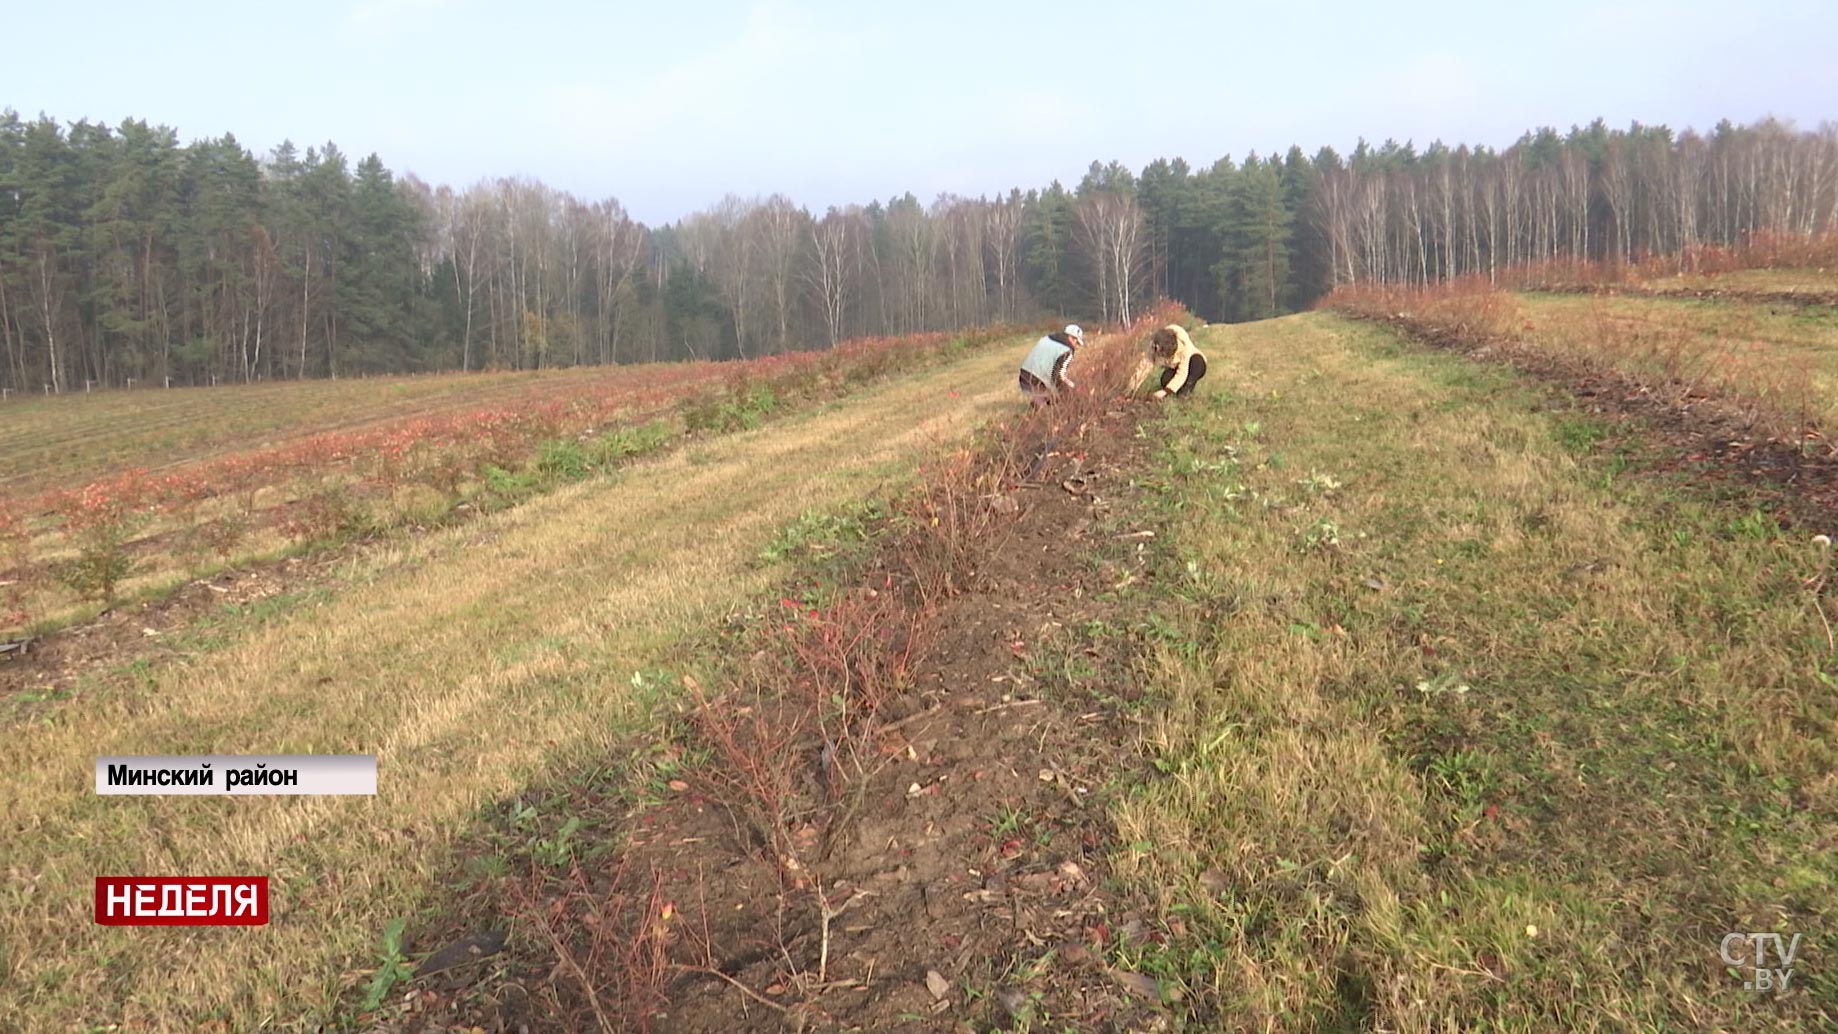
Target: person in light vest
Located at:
point(1182, 365)
point(1043, 372)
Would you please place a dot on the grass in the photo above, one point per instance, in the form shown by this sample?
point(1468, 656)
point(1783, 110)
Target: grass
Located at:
point(472, 660)
point(133, 534)
point(1513, 750)
point(1761, 281)
point(1774, 363)
point(1784, 356)
point(61, 439)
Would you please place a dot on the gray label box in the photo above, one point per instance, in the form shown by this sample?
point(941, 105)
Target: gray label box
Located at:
point(244, 775)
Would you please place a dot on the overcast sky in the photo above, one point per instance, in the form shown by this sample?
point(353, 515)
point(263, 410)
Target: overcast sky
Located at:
point(669, 106)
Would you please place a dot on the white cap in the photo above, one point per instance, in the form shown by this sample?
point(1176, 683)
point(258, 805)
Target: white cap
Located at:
point(1073, 331)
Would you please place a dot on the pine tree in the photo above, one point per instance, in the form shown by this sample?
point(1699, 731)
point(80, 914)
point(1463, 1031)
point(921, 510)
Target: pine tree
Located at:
point(1047, 227)
point(383, 282)
point(1254, 274)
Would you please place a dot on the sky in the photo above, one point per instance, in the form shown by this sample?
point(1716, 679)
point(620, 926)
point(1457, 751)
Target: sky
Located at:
point(670, 106)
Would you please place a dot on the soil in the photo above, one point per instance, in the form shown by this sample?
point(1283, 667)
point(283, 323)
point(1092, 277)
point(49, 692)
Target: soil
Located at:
point(971, 892)
point(1735, 294)
point(1711, 439)
point(50, 667)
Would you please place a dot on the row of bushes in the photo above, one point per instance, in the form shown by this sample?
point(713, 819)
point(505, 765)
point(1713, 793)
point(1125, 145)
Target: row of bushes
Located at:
point(330, 487)
point(793, 734)
point(1759, 250)
point(1677, 356)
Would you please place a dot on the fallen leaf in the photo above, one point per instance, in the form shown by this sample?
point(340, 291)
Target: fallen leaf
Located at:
point(678, 785)
point(936, 983)
point(1138, 983)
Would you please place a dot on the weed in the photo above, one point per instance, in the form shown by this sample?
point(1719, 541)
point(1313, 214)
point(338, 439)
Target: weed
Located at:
point(563, 459)
point(394, 966)
point(1319, 484)
point(556, 851)
point(1756, 526)
point(509, 486)
point(817, 537)
point(743, 405)
point(1010, 821)
point(1467, 775)
point(1321, 535)
point(1579, 436)
point(624, 443)
point(420, 506)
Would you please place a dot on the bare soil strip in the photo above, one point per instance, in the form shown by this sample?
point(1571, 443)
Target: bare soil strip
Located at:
point(1734, 294)
point(973, 886)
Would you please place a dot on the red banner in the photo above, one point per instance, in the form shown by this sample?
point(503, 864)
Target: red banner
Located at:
point(182, 900)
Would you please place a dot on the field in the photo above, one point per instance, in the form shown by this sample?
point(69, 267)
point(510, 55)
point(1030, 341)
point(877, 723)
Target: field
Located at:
point(1783, 357)
point(474, 658)
point(1472, 726)
point(1411, 676)
point(1768, 366)
point(131, 494)
point(59, 441)
point(1816, 283)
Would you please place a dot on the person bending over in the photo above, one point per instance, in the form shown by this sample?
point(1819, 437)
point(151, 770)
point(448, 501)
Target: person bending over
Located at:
point(1043, 372)
point(1182, 365)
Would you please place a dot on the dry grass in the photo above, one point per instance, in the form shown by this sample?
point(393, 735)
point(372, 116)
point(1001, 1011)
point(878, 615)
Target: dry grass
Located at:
point(62, 439)
point(1760, 261)
point(470, 661)
point(1777, 363)
point(1467, 731)
point(1782, 359)
point(1754, 281)
point(130, 533)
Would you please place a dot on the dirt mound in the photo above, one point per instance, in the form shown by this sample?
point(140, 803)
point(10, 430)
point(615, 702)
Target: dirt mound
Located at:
point(972, 886)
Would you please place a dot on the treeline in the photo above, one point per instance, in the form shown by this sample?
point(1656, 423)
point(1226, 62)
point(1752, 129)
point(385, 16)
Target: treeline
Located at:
point(1604, 195)
point(126, 257)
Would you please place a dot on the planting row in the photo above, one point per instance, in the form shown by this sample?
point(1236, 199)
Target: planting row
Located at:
point(137, 529)
point(802, 723)
point(1776, 365)
point(1763, 262)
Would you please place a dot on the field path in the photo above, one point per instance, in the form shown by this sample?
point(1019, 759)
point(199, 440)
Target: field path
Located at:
point(1479, 715)
point(470, 661)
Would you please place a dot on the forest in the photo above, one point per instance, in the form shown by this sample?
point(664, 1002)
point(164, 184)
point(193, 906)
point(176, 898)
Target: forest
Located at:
point(130, 259)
